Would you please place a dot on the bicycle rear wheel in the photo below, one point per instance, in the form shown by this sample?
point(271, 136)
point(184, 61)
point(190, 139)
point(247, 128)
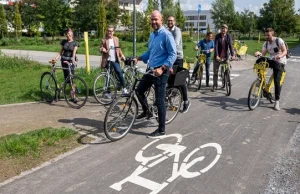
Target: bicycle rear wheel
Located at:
point(271, 95)
point(173, 103)
point(227, 82)
point(254, 96)
point(120, 117)
point(104, 89)
point(48, 87)
point(129, 77)
point(200, 77)
point(222, 76)
point(76, 92)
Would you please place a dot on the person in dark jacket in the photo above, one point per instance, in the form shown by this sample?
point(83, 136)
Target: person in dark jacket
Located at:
point(223, 42)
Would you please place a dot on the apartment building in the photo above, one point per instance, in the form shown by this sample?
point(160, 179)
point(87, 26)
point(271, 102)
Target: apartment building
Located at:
point(193, 20)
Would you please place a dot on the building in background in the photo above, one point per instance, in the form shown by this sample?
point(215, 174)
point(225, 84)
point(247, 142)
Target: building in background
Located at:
point(192, 20)
point(8, 2)
point(128, 5)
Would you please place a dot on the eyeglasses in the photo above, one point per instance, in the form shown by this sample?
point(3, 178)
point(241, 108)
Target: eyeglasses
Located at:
point(170, 20)
point(110, 31)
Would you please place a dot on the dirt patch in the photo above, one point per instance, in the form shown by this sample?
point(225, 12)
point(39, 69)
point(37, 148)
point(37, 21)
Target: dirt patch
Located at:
point(10, 167)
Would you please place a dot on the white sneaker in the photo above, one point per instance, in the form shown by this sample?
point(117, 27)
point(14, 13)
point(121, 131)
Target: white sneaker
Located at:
point(276, 106)
point(125, 91)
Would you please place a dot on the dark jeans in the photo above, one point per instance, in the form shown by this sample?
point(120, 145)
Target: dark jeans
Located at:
point(66, 71)
point(179, 62)
point(207, 67)
point(119, 73)
point(278, 69)
point(160, 95)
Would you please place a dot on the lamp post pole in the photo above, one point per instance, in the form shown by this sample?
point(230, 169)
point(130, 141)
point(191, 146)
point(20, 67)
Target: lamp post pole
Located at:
point(134, 29)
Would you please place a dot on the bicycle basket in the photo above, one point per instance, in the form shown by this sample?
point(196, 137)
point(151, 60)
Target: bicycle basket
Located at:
point(128, 61)
point(178, 78)
point(261, 66)
point(202, 58)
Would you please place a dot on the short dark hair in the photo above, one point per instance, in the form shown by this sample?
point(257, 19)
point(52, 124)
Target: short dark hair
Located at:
point(111, 26)
point(269, 30)
point(208, 33)
point(172, 17)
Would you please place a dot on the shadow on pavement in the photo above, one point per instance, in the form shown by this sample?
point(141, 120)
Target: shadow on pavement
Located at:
point(226, 103)
point(87, 127)
point(293, 111)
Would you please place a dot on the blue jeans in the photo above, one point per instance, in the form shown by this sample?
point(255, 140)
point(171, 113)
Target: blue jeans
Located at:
point(207, 66)
point(160, 95)
point(119, 73)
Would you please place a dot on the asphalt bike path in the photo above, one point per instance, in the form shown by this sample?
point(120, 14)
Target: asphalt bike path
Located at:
point(219, 146)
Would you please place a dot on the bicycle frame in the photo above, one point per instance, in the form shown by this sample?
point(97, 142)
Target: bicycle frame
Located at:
point(202, 60)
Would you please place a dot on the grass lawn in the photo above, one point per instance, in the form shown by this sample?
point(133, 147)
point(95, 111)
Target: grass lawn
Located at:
point(21, 152)
point(20, 79)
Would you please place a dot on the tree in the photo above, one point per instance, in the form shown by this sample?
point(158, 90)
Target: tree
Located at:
point(17, 21)
point(3, 22)
point(278, 14)
point(86, 16)
point(113, 12)
point(223, 12)
point(126, 18)
point(208, 28)
point(155, 4)
point(101, 19)
point(191, 29)
point(248, 22)
point(147, 21)
point(30, 17)
point(180, 18)
point(52, 13)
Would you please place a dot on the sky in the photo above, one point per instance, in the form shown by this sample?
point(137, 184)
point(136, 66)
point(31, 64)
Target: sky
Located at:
point(240, 5)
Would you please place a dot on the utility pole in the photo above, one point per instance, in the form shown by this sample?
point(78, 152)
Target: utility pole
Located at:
point(134, 29)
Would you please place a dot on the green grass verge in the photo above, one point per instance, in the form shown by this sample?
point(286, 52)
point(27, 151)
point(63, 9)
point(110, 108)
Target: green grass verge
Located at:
point(31, 143)
point(20, 79)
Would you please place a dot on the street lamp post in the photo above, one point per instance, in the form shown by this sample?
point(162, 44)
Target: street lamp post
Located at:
point(134, 29)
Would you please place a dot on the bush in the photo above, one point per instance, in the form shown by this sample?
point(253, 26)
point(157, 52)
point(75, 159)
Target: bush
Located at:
point(14, 62)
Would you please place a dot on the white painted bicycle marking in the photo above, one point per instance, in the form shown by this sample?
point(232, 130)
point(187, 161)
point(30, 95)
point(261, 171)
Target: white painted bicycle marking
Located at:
point(169, 150)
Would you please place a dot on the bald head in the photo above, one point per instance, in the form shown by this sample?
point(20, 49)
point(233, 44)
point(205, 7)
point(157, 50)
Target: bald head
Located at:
point(156, 20)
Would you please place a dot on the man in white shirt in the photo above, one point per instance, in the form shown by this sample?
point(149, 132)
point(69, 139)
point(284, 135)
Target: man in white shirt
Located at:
point(277, 49)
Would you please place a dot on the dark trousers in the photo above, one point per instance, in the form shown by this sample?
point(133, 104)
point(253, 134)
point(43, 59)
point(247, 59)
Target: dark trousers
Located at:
point(119, 73)
point(160, 95)
point(179, 62)
point(66, 71)
point(207, 67)
point(278, 69)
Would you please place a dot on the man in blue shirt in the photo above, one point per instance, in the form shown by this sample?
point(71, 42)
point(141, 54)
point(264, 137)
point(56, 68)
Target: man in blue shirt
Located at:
point(161, 55)
point(207, 47)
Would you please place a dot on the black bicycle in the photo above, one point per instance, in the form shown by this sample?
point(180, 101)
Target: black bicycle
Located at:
point(74, 88)
point(122, 113)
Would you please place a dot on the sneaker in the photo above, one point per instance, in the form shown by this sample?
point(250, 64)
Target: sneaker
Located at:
point(107, 95)
point(156, 134)
point(124, 91)
point(143, 115)
point(186, 106)
point(276, 106)
point(214, 88)
point(74, 100)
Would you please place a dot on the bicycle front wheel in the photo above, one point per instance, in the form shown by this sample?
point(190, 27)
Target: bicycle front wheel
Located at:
point(48, 87)
point(254, 95)
point(227, 83)
point(173, 103)
point(120, 117)
point(200, 76)
point(104, 89)
point(76, 92)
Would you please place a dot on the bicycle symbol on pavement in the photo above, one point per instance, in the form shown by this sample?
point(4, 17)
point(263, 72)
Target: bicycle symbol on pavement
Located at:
point(169, 150)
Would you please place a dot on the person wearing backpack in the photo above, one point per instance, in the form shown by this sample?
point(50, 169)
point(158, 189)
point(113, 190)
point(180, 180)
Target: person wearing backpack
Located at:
point(223, 42)
point(276, 47)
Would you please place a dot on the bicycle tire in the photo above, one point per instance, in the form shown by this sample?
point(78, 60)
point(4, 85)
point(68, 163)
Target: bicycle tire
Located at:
point(222, 78)
point(253, 92)
point(173, 103)
point(119, 105)
point(227, 83)
point(48, 87)
point(129, 77)
point(102, 94)
point(243, 57)
point(76, 92)
point(200, 77)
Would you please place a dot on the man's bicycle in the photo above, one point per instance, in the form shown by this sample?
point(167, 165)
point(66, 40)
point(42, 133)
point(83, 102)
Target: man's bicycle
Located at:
point(107, 84)
point(74, 88)
point(225, 75)
point(121, 115)
point(201, 59)
point(262, 87)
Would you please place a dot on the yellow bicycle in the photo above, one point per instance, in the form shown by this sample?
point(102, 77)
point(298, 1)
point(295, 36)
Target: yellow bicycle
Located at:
point(240, 49)
point(262, 87)
point(201, 59)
